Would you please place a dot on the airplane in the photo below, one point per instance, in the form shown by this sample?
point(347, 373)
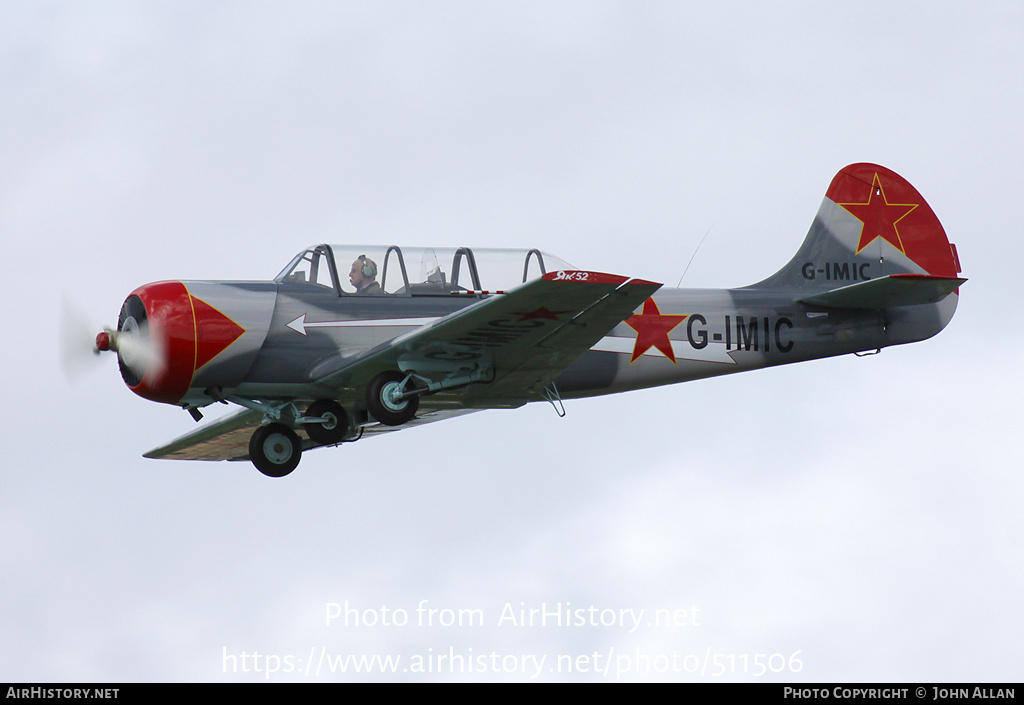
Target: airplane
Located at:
point(315, 358)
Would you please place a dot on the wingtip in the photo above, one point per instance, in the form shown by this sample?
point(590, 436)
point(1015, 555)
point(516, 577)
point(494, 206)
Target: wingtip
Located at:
point(644, 282)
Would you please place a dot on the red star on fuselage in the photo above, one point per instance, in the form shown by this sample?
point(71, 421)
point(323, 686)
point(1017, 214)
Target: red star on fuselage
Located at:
point(879, 217)
point(652, 329)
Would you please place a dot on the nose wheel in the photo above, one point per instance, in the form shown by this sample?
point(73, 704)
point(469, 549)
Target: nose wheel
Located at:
point(275, 449)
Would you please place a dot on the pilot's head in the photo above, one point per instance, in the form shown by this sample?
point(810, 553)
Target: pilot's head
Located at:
point(363, 273)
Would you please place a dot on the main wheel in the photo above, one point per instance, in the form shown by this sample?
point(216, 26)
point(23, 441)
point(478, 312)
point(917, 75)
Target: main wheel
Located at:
point(275, 449)
point(332, 430)
point(383, 399)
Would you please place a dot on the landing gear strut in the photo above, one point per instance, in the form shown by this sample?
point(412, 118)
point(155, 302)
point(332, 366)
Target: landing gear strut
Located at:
point(275, 449)
point(334, 427)
point(386, 400)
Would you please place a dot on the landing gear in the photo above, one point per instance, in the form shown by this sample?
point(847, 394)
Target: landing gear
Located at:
point(335, 426)
point(275, 449)
point(384, 399)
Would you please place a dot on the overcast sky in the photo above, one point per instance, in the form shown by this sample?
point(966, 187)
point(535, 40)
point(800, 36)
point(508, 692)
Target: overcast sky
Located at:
point(856, 519)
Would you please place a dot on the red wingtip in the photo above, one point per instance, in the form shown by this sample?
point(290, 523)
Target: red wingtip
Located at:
point(564, 275)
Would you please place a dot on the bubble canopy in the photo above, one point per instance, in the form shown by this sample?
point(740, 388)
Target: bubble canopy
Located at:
point(417, 271)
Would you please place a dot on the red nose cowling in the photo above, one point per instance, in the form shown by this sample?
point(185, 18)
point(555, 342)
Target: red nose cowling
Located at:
point(185, 331)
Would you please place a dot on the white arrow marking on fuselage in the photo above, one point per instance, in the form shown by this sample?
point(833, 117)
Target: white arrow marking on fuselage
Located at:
point(299, 325)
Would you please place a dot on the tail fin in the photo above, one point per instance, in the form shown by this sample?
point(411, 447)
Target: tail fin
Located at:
point(876, 245)
point(871, 224)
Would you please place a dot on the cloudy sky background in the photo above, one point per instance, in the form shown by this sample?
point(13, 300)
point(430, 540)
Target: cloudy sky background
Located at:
point(863, 514)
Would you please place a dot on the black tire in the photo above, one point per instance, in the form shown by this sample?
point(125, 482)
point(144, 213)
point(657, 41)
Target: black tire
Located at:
point(275, 449)
point(336, 427)
point(380, 404)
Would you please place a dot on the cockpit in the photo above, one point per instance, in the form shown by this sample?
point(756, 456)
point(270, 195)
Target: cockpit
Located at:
point(416, 271)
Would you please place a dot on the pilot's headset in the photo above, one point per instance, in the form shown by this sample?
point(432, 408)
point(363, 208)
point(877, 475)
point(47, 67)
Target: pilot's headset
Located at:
point(369, 268)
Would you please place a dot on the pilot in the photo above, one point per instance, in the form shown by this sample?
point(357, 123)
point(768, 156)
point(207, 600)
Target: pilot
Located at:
point(364, 276)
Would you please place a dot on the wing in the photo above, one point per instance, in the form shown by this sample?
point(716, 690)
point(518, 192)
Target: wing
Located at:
point(503, 351)
point(228, 437)
point(498, 353)
point(224, 439)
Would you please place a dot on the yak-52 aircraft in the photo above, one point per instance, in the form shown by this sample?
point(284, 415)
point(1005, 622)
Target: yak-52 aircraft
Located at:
point(323, 355)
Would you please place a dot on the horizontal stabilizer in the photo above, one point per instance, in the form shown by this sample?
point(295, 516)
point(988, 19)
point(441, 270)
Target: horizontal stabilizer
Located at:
point(888, 291)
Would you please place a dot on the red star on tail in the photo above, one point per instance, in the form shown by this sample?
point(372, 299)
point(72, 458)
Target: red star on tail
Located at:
point(879, 217)
point(652, 329)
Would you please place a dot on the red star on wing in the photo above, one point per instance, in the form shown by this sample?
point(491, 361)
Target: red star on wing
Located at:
point(879, 217)
point(652, 329)
point(542, 313)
